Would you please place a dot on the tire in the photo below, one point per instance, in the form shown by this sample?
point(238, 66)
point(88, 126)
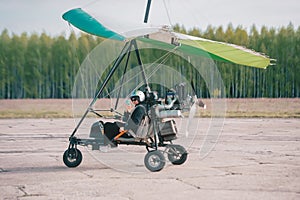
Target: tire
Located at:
point(72, 157)
point(154, 161)
point(177, 154)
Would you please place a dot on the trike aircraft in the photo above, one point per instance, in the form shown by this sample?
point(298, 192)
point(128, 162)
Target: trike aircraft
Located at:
point(145, 59)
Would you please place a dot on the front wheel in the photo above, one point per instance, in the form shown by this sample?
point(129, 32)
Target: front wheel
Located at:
point(177, 154)
point(154, 161)
point(72, 157)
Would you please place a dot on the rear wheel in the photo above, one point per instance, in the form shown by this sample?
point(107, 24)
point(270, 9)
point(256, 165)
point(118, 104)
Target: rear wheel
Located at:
point(177, 154)
point(154, 161)
point(72, 157)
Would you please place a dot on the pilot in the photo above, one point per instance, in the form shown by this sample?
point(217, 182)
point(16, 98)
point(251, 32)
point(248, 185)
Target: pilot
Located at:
point(137, 98)
point(133, 120)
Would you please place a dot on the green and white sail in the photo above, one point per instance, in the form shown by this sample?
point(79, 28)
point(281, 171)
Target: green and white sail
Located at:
point(165, 37)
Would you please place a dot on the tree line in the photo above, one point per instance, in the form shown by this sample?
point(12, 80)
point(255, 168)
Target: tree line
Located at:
point(41, 66)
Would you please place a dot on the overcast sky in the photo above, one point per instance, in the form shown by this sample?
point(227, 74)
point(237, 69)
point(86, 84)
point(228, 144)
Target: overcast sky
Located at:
point(45, 16)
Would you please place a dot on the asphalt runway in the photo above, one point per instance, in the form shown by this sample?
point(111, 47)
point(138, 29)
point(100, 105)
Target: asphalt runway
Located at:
point(256, 158)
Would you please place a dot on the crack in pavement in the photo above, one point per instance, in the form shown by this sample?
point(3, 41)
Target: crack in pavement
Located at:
point(22, 188)
point(187, 183)
point(233, 189)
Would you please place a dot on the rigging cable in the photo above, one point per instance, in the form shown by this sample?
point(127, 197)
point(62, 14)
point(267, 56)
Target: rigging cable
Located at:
point(168, 13)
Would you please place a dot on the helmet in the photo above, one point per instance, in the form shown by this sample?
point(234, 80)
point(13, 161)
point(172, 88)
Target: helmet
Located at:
point(139, 94)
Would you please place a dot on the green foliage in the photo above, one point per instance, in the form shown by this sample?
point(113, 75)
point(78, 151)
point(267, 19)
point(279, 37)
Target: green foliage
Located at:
point(40, 66)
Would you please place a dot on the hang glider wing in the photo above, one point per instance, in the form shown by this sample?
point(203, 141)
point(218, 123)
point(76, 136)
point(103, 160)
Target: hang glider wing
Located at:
point(85, 22)
point(225, 51)
point(164, 37)
point(218, 51)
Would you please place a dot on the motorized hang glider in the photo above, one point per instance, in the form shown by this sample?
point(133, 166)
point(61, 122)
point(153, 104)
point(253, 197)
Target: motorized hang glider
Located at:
point(155, 136)
point(167, 38)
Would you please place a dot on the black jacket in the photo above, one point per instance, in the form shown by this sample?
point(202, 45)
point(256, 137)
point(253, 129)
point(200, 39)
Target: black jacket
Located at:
point(136, 117)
